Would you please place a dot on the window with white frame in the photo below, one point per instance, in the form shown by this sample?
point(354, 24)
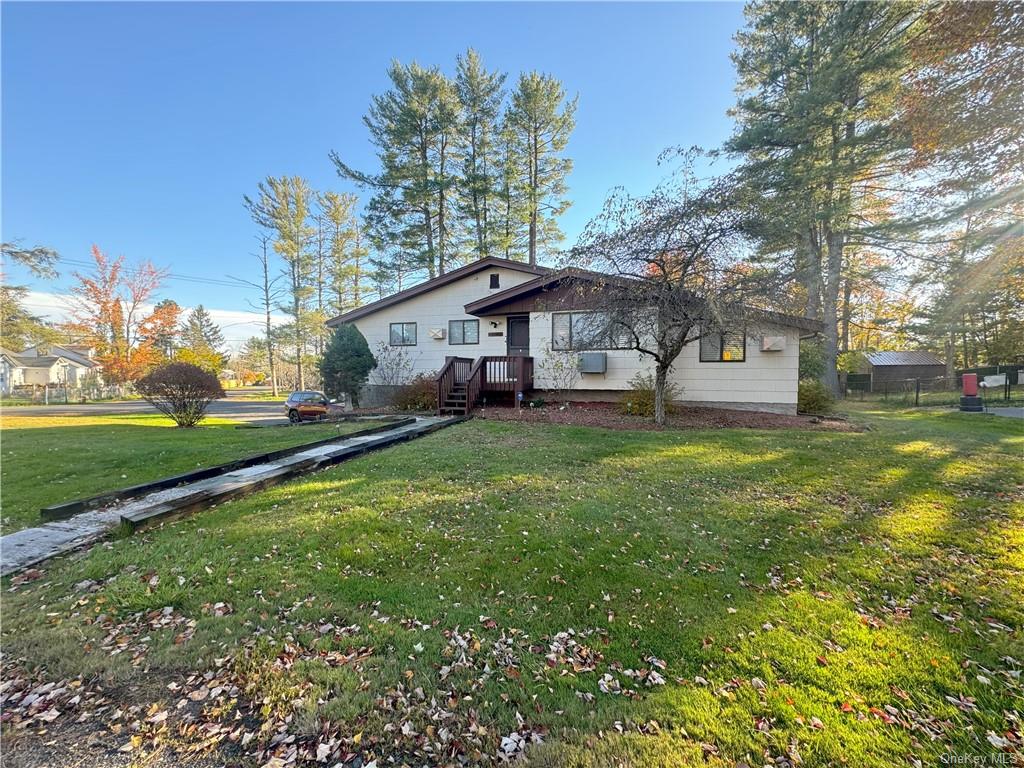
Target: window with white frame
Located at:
point(723, 347)
point(463, 332)
point(587, 330)
point(403, 335)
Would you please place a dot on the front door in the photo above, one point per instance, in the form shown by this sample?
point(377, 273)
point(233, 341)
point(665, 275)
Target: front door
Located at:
point(519, 335)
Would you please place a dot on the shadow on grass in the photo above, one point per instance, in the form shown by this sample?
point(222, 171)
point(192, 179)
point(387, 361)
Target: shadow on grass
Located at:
point(732, 555)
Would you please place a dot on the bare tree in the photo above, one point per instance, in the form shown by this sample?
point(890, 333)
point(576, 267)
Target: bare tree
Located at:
point(393, 365)
point(270, 295)
point(664, 271)
point(560, 372)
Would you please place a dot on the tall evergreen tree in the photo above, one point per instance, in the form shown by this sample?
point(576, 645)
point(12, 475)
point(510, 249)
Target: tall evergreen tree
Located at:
point(512, 234)
point(415, 126)
point(347, 261)
point(199, 329)
point(201, 341)
point(540, 121)
point(481, 94)
point(817, 131)
point(284, 205)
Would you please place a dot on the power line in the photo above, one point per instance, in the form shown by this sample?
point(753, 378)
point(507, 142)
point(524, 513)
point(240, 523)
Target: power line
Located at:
point(228, 282)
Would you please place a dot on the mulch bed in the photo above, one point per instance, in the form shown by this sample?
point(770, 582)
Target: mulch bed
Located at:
point(607, 415)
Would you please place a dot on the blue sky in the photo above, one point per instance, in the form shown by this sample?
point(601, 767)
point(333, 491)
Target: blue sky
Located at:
point(140, 126)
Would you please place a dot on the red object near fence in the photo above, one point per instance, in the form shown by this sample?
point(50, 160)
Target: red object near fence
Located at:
point(970, 385)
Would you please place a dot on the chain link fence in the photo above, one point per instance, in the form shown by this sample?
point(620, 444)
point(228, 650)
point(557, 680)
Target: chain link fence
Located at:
point(1008, 389)
point(57, 394)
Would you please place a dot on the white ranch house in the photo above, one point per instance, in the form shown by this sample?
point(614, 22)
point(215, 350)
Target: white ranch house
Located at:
point(47, 365)
point(490, 328)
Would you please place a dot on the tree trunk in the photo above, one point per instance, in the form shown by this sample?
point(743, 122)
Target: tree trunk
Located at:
point(844, 336)
point(442, 239)
point(660, 376)
point(951, 361)
point(428, 225)
point(427, 221)
point(357, 275)
point(812, 275)
point(534, 193)
point(830, 300)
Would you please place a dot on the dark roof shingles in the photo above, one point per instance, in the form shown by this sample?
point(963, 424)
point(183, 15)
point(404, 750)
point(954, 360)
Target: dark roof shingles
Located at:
point(909, 357)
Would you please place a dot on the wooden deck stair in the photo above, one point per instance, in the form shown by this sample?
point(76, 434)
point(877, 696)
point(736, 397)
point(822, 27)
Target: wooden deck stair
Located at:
point(462, 381)
point(455, 400)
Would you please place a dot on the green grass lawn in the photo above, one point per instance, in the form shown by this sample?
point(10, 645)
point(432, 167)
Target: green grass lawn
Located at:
point(701, 598)
point(48, 460)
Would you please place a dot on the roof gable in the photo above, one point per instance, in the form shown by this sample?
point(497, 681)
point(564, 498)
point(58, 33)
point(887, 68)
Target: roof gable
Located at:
point(491, 262)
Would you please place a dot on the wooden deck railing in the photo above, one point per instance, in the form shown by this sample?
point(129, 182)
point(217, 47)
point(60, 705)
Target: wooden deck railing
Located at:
point(507, 373)
point(474, 384)
point(454, 371)
point(502, 373)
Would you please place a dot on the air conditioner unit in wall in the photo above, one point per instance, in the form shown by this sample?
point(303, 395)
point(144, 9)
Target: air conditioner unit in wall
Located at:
point(773, 343)
point(436, 333)
point(593, 362)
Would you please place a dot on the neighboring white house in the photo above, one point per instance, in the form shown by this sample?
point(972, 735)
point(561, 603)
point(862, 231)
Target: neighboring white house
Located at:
point(47, 364)
point(495, 308)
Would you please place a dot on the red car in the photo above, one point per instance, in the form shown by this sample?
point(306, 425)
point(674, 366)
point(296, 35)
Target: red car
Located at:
point(307, 406)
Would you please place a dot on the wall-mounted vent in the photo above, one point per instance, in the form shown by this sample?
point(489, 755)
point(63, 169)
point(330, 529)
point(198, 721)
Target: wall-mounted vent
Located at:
point(593, 362)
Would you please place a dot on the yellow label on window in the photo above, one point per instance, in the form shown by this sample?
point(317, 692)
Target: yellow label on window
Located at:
point(726, 355)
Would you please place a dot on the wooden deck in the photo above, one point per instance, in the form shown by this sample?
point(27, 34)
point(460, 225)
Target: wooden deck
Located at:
point(463, 381)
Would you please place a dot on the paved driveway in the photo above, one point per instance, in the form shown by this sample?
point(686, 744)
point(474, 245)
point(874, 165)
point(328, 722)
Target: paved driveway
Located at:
point(1013, 413)
point(226, 408)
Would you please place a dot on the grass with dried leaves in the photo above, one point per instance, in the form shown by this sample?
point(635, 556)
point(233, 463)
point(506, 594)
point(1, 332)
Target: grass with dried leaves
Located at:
point(52, 459)
point(584, 597)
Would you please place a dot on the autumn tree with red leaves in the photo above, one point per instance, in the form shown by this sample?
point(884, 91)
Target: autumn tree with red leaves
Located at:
point(112, 310)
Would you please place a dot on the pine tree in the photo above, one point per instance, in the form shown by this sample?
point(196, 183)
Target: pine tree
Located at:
point(202, 342)
point(284, 205)
point(512, 234)
point(199, 329)
point(346, 363)
point(817, 130)
point(415, 127)
point(480, 96)
point(540, 121)
point(347, 254)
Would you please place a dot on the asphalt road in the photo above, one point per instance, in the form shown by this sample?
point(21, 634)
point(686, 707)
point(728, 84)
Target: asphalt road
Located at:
point(226, 408)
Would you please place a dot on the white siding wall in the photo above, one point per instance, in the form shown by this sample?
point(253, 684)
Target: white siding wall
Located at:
point(433, 310)
point(764, 377)
point(40, 376)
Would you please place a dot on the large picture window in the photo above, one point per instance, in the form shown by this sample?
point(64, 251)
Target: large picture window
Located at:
point(403, 335)
point(587, 330)
point(728, 347)
point(463, 331)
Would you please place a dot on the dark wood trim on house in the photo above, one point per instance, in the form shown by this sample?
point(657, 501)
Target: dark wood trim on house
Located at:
point(560, 291)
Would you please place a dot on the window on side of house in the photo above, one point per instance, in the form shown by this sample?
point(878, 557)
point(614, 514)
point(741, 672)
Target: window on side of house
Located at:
point(403, 335)
point(727, 347)
point(586, 330)
point(463, 332)
point(495, 281)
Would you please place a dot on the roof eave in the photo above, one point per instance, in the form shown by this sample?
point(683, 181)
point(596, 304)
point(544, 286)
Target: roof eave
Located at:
point(429, 285)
